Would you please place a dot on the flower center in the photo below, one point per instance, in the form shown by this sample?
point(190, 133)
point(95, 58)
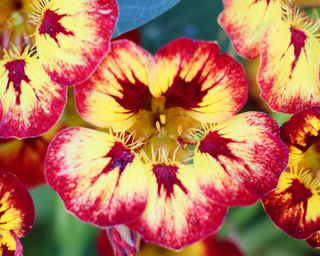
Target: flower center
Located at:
point(15, 28)
point(164, 128)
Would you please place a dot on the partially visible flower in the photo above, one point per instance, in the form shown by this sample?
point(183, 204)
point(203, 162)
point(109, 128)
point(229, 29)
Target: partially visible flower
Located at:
point(175, 156)
point(16, 214)
point(211, 246)
point(47, 45)
point(294, 205)
point(288, 43)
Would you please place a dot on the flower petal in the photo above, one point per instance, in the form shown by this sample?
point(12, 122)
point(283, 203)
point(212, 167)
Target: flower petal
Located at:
point(314, 240)
point(294, 205)
point(78, 34)
point(118, 89)
point(31, 102)
point(99, 179)
point(246, 21)
point(16, 206)
point(302, 135)
point(24, 158)
point(197, 77)
point(289, 72)
point(10, 244)
point(177, 213)
point(240, 160)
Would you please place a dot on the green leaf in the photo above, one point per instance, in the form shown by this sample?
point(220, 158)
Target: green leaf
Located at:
point(135, 13)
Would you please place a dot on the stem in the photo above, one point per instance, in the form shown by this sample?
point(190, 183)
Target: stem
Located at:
point(124, 241)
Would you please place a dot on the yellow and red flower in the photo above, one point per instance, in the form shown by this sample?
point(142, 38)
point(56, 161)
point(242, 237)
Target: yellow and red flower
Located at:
point(175, 155)
point(288, 43)
point(16, 214)
point(54, 44)
point(294, 205)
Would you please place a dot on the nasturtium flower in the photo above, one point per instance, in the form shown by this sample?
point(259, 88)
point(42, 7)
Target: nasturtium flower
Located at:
point(294, 205)
point(174, 156)
point(288, 43)
point(47, 45)
point(16, 214)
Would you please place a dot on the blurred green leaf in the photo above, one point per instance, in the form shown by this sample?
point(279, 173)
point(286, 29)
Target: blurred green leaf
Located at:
point(135, 13)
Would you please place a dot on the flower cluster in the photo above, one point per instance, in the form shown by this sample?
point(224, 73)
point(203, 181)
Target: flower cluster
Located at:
point(47, 45)
point(170, 153)
point(287, 41)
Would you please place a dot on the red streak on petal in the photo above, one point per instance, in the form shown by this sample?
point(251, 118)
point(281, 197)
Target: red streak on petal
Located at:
point(299, 193)
point(120, 158)
point(135, 96)
point(16, 75)
point(216, 145)
point(166, 176)
point(5, 251)
point(51, 25)
point(187, 95)
point(298, 40)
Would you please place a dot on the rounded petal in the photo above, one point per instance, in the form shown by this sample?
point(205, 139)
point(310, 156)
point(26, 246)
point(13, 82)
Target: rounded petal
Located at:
point(240, 160)
point(16, 206)
point(302, 135)
point(294, 205)
point(197, 77)
point(10, 244)
point(314, 240)
point(289, 74)
point(31, 102)
point(24, 158)
point(78, 34)
point(98, 178)
point(177, 213)
point(118, 89)
point(246, 21)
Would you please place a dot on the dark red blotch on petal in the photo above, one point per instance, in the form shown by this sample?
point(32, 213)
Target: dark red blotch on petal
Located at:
point(166, 176)
point(16, 74)
point(120, 158)
point(5, 251)
point(186, 95)
point(299, 193)
point(298, 40)
point(135, 96)
point(51, 25)
point(216, 145)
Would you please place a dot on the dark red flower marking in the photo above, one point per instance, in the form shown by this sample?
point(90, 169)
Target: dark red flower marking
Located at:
point(297, 131)
point(135, 96)
point(298, 40)
point(5, 251)
point(187, 95)
point(216, 145)
point(299, 194)
point(51, 25)
point(120, 158)
point(16, 74)
point(166, 176)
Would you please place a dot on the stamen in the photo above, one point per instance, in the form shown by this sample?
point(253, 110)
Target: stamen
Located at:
point(36, 15)
point(194, 135)
point(163, 119)
point(129, 139)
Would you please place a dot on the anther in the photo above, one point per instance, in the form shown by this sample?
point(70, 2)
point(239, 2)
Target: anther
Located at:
point(163, 119)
